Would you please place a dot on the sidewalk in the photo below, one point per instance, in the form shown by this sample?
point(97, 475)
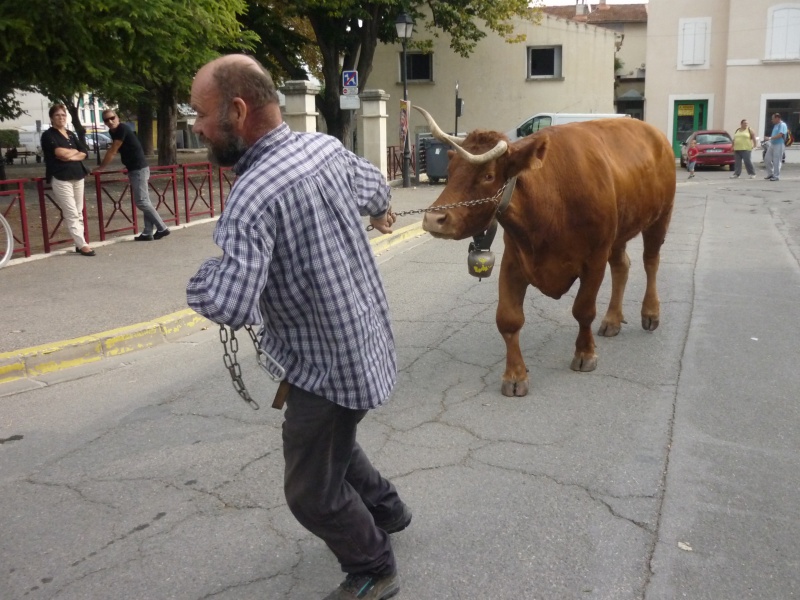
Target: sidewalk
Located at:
point(62, 310)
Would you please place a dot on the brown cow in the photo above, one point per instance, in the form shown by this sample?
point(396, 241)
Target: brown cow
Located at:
point(582, 191)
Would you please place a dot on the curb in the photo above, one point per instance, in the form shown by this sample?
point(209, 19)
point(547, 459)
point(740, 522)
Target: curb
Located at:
point(57, 356)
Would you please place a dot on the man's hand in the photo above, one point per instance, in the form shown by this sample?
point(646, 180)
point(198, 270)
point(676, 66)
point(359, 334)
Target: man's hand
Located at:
point(384, 223)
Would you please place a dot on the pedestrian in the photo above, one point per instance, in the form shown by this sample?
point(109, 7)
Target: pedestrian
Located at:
point(130, 151)
point(744, 140)
point(296, 257)
point(777, 144)
point(691, 156)
point(65, 172)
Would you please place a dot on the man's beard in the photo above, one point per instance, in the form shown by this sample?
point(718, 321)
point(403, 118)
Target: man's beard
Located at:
point(229, 149)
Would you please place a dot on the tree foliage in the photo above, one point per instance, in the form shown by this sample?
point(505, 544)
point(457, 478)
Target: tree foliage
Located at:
point(344, 35)
point(133, 52)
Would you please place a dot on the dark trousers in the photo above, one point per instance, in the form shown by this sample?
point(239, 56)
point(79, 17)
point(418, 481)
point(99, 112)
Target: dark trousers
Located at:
point(332, 488)
point(739, 156)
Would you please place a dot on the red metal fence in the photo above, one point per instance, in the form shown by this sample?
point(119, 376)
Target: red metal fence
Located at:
point(12, 198)
point(394, 161)
point(109, 206)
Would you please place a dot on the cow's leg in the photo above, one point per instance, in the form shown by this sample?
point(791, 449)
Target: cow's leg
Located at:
point(584, 310)
point(620, 266)
point(510, 319)
point(653, 239)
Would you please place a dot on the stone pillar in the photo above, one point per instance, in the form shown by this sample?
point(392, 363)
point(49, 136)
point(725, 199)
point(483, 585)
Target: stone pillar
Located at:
point(300, 112)
point(373, 127)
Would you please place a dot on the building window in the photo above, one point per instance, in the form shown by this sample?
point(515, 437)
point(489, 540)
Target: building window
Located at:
point(419, 65)
point(544, 62)
point(694, 43)
point(783, 37)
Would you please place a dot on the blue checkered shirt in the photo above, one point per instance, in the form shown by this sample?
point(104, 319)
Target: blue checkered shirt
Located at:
point(297, 258)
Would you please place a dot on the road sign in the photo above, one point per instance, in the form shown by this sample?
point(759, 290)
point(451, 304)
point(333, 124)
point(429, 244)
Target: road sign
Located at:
point(349, 102)
point(349, 79)
point(350, 91)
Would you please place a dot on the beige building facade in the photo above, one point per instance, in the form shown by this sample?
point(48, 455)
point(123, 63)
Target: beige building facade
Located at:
point(629, 24)
point(712, 63)
point(562, 66)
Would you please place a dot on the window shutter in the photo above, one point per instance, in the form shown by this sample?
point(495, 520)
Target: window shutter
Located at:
point(785, 34)
point(694, 43)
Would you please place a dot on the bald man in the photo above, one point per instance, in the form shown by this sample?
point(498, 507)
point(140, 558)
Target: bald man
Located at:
point(295, 257)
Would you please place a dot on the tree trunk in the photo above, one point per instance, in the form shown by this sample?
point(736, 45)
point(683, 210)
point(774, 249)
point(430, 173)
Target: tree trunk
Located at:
point(144, 115)
point(361, 48)
point(167, 125)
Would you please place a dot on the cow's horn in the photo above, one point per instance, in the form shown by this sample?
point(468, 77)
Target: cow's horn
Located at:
point(456, 142)
point(437, 132)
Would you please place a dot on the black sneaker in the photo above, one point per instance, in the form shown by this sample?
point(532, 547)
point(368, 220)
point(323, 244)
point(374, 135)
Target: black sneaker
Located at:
point(161, 234)
point(366, 587)
point(143, 238)
point(399, 523)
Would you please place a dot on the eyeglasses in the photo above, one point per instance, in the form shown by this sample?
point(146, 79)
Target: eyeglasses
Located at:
point(109, 119)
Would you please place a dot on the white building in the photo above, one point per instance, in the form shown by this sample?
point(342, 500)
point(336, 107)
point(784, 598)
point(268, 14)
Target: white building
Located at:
point(712, 63)
point(562, 66)
point(36, 116)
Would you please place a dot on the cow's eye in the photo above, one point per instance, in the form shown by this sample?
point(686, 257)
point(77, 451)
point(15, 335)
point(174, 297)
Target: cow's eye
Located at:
point(488, 177)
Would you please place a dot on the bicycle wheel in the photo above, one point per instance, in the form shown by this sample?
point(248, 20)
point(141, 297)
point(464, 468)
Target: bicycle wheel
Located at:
point(6, 241)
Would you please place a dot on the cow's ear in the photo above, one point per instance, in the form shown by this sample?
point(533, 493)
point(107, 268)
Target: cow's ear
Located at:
point(527, 155)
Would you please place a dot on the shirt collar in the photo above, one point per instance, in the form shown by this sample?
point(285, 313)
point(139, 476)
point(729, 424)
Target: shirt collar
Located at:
point(269, 140)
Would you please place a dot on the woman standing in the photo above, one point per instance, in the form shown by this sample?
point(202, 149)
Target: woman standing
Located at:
point(744, 140)
point(65, 172)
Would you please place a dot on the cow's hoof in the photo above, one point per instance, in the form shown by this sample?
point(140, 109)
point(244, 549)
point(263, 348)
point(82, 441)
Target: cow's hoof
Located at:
point(514, 388)
point(584, 363)
point(609, 329)
point(650, 323)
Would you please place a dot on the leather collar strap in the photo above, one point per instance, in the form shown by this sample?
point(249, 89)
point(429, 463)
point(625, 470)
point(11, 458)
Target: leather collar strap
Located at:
point(507, 193)
point(484, 240)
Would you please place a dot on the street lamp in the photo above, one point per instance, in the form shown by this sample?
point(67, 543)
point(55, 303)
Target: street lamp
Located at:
point(405, 27)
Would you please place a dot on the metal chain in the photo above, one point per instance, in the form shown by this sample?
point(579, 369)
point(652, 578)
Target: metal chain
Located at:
point(417, 211)
point(229, 358)
point(266, 361)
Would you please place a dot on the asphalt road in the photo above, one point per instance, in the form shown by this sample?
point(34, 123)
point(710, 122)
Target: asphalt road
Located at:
point(669, 472)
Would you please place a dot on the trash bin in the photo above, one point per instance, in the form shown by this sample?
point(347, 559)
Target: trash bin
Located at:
point(436, 159)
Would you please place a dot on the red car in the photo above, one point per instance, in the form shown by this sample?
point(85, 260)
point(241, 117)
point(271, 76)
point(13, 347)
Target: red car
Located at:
point(716, 149)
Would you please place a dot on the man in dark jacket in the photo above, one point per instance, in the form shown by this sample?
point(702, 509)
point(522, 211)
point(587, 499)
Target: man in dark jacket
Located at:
point(130, 151)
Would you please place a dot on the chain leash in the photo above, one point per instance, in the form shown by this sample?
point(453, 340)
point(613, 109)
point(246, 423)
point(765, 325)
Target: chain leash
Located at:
point(272, 367)
point(418, 211)
point(229, 342)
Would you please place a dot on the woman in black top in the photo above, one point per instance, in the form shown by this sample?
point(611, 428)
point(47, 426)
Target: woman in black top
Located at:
point(65, 172)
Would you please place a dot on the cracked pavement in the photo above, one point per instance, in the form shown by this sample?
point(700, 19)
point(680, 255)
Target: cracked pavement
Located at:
point(669, 472)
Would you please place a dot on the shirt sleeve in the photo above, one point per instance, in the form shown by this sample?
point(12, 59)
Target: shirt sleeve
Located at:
point(48, 144)
point(372, 191)
point(227, 289)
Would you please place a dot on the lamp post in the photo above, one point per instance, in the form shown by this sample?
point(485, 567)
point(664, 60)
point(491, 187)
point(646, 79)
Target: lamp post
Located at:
point(94, 127)
point(405, 27)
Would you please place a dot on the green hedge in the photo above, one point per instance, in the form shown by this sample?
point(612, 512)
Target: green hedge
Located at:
point(9, 138)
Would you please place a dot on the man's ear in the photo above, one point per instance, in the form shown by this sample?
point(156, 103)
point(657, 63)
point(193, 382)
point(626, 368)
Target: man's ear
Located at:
point(238, 113)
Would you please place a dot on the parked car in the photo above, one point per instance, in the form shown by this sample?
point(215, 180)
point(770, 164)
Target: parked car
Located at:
point(715, 149)
point(104, 141)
